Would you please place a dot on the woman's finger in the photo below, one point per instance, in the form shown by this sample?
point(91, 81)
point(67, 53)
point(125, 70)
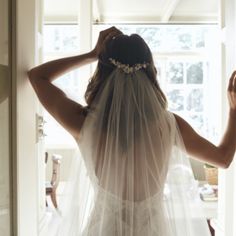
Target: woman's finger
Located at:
point(112, 35)
point(231, 81)
point(234, 82)
point(106, 32)
point(104, 36)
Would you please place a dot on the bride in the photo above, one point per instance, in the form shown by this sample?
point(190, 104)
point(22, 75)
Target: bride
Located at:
point(132, 175)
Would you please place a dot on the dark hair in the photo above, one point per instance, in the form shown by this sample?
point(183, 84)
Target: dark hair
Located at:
point(127, 50)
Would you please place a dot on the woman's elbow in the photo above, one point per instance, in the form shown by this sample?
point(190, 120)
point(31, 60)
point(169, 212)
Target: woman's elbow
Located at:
point(30, 74)
point(226, 162)
point(224, 165)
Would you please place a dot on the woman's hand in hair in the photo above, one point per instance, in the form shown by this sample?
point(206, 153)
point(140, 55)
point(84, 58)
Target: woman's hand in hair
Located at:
point(104, 37)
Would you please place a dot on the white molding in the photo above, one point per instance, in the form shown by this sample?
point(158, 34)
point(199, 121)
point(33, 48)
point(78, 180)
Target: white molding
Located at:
point(193, 19)
point(27, 194)
point(4, 211)
point(157, 19)
point(96, 11)
point(225, 224)
point(153, 19)
point(61, 19)
point(234, 200)
point(85, 21)
point(169, 8)
point(43, 224)
point(216, 225)
point(4, 33)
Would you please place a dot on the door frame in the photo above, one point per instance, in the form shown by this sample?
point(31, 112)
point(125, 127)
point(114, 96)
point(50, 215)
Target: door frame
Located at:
point(25, 105)
point(24, 143)
point(23, 122)
point(225, 223)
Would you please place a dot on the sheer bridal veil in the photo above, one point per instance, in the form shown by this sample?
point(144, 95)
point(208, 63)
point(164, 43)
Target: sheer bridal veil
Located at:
point(131, 175)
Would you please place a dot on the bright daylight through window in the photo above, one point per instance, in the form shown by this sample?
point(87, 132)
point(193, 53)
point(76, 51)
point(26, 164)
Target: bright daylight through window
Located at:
point(186, 60)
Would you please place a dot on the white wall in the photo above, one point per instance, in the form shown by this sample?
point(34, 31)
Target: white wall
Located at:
point(25, 110)
point(4, 153)
point(4, 122)
point(4, 32)
point(225, 224)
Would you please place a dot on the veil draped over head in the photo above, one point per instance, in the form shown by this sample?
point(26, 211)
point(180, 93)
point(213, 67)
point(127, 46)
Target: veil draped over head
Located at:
point(131, 175)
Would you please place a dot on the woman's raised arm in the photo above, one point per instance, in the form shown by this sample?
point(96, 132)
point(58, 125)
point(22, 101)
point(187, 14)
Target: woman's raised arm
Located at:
point(200, 148)
point(66, 111)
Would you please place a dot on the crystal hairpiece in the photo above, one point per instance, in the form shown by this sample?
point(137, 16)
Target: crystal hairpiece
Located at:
point(126, 68)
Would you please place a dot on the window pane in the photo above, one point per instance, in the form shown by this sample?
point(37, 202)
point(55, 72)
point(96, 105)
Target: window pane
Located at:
point(200, 37)
point(184, 56)
point(175, 73)
point(176, 100)
point(61, 38)
point(178, 38)
point(195, 100)
point(197, 121)
point(195, 73)
point(169, 38)
point(179, 54)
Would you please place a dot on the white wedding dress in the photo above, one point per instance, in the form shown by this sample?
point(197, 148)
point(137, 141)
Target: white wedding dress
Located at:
point(131, 175)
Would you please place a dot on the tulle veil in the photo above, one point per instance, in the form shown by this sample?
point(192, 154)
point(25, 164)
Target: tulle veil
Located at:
point(131, 175)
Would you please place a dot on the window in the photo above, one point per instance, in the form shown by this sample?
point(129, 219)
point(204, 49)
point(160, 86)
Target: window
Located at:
point(61, 40)
point(188, 70)
point(185, 57)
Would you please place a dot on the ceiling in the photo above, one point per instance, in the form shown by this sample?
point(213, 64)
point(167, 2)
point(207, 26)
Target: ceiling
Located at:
point(136, 10)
